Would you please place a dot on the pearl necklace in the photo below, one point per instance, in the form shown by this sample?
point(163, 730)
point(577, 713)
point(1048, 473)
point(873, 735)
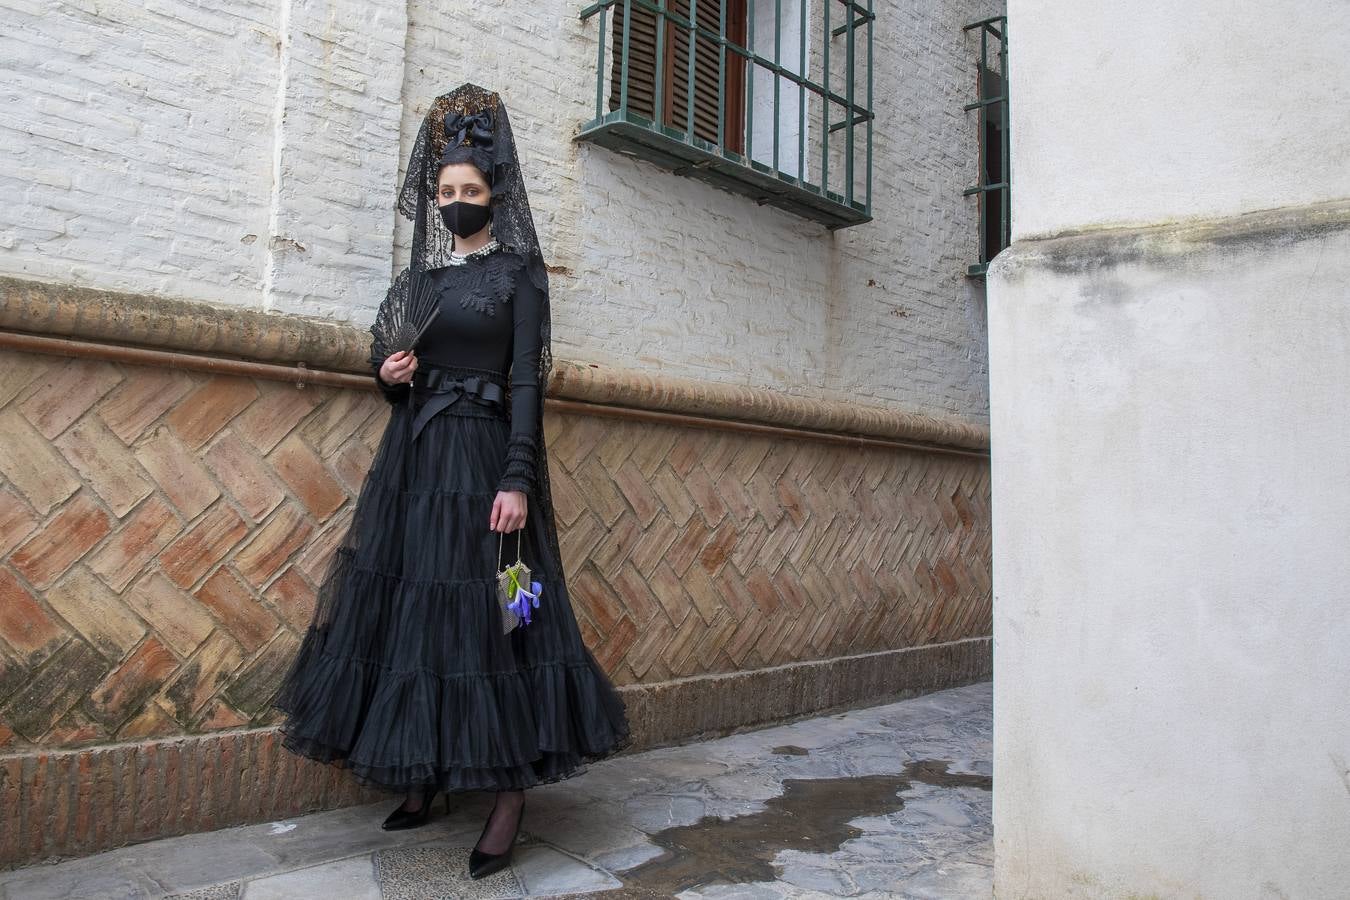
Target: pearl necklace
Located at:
point(459, 259)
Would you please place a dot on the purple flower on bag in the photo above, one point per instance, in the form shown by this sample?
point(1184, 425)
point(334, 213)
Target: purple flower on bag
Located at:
point(524, 599)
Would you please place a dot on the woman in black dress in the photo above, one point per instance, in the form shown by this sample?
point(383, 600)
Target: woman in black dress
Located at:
point(406, 676)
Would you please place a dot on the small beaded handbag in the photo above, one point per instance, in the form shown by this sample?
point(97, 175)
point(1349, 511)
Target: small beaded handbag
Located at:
point(516, 593)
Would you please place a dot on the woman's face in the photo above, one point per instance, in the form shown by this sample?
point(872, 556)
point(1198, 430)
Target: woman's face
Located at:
point(463, 182)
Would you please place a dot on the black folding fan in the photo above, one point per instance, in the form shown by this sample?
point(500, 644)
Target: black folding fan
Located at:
point(410, 308)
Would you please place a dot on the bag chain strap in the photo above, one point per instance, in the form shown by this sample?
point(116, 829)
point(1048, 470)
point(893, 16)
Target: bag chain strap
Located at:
point(500, 537)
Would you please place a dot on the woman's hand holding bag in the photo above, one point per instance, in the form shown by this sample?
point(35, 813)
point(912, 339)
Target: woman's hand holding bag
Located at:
point(509, 511)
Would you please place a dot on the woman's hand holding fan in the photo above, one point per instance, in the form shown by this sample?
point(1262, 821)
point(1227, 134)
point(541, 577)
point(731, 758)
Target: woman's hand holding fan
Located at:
point(399, 367)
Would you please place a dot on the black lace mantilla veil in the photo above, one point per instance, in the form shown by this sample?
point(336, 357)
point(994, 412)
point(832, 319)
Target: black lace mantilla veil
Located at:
point(512, 227)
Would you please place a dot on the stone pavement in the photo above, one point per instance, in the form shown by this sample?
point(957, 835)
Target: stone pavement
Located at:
point(886, 801)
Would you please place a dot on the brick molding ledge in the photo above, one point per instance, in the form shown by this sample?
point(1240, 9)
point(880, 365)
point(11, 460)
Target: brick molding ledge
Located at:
point(189, 327)
point(78, 802)
point(706, 706)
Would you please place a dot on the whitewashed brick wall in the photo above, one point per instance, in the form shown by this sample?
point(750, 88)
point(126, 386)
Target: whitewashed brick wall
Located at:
point(248, 153)
point(136, 145)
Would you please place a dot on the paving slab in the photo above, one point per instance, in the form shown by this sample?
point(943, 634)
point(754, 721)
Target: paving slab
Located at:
point(347, 879)
point(546, 871)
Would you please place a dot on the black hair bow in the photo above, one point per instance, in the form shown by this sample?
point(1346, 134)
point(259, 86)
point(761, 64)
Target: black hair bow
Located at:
point(475, 127)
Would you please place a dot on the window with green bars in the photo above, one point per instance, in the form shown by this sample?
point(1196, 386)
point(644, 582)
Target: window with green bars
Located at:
point(765, 98)
point(993, 190)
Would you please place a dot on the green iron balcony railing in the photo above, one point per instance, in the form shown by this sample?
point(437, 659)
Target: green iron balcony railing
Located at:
point(995, 181)
point(722, 91)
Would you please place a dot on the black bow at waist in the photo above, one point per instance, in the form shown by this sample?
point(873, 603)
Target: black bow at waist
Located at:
point(444, 387)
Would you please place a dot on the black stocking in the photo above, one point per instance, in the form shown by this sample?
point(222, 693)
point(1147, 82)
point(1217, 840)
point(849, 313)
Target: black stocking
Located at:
point(501, 824)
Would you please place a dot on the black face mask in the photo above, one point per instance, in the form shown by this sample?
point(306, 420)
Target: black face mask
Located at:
point(465, 219)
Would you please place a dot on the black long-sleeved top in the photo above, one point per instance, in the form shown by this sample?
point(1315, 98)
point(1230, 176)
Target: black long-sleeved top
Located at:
point(489, 318)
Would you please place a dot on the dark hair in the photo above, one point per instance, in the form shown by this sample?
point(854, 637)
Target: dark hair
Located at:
point(474, 156)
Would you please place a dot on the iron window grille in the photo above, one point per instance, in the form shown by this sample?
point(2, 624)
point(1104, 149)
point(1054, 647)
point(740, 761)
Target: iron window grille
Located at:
point(723, 92)
point(994, 187)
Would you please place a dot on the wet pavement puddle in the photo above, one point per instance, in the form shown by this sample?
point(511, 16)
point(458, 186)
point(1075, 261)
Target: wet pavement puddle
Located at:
point(811, 815)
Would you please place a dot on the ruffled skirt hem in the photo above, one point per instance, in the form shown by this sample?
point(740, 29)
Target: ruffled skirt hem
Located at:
point(415, 730)
point(548, 769)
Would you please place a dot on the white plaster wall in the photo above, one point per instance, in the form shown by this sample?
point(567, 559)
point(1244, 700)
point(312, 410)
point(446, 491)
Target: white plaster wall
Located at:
point(1169, 469)
point(1170, 570)
point(250, 154)
point(1136, 114)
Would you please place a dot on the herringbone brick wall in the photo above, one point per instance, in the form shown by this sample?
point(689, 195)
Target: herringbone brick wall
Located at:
point(698, 551)
point(163, 533)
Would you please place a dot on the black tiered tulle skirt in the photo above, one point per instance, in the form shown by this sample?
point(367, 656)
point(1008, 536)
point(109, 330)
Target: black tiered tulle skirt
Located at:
point(404, 677)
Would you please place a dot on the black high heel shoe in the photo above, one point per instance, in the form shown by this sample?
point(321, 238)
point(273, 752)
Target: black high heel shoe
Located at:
point(400, 818)
point(482, 864)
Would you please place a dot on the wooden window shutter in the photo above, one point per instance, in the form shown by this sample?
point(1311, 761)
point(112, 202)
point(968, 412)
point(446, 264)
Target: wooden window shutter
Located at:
point(642, 70)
